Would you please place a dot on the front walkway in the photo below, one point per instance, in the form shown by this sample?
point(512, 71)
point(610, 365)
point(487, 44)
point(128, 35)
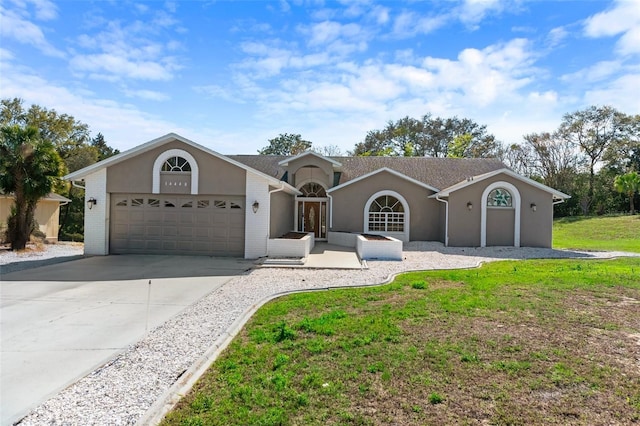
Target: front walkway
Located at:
point(146, 379)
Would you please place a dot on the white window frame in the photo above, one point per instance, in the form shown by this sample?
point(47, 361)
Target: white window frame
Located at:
point(515, 204)
point(157, 168)
point(403, 236)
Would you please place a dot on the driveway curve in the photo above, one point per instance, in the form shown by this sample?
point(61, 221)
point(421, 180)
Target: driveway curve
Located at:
point(141, 382)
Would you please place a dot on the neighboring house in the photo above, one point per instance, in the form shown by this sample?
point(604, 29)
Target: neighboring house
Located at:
point(171, 195)
point(47, 214)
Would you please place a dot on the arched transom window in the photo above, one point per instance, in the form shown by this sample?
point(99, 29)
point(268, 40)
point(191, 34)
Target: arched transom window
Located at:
point(312, 189)
point(386, 214)
point(176, 164)
point(499, 197)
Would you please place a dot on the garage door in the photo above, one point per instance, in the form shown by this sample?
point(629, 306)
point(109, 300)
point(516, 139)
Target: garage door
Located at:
point(177, 224)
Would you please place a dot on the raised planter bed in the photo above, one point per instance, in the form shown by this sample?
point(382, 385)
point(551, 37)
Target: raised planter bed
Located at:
point(292, 244)
point(378, 247)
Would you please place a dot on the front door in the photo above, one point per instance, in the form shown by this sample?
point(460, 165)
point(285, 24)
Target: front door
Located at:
point(312, 218)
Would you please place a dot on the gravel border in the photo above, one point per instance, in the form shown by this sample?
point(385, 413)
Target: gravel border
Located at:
point(139, 384)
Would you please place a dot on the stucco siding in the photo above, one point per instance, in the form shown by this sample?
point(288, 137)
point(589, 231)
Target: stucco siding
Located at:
point(322, 172)
point(96, 219)
point(464, 225)
point(256, 224)
point(216, 176)
point(281, 215)
point(535, 227)
point(349, 204)
point(47, 215)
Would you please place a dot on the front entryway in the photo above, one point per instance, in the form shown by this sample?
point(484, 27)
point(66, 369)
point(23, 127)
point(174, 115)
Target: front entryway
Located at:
point(312, 217)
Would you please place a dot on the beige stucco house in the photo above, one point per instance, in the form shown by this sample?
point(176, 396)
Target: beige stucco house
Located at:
point(47, 214)
point(171, 195)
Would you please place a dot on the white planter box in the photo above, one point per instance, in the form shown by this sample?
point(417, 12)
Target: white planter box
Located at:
point(344, 239)
point(287, 247)
point(390, 249)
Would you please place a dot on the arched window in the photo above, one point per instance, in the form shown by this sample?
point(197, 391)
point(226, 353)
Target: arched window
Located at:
point(176, 164)
point(386, 214)
point(314, 190)
point(499, 197)
point(175, 171)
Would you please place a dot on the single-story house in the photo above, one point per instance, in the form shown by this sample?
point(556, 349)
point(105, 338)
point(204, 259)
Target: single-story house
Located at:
point(171, 195)
point(47, 214)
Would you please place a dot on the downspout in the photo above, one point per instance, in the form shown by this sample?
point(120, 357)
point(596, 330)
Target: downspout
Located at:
point(269, 212)
point(73, 183)
point(446, 220)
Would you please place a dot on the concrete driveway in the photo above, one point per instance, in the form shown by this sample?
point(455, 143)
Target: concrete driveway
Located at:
point(60, 322)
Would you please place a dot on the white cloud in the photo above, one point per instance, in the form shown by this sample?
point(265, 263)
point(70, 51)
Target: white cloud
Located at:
point(617, 92)
point(597, 72)
point(623, 19)
point(556, 36)
point(125, 52)
point(150, 95)
point(471, 12)
point(408, 24)
point(19, 28)
point(113, 67)
point(484, 75)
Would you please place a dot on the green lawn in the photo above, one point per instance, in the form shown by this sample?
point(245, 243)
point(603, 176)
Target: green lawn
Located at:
point(527, 342)
point(598, 233)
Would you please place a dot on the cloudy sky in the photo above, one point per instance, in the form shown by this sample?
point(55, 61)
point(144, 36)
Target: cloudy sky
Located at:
point(232, 74)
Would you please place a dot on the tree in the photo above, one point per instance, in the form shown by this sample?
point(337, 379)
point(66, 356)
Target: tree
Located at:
point(594, 130)
point(554, 159)
point(431, 137)
point(329, 151)
point(29, 169)
point(286, 144)
point(628, 184)
point(103, 150)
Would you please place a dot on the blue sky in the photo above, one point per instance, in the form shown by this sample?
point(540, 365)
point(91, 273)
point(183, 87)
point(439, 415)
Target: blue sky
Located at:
point(231, 75)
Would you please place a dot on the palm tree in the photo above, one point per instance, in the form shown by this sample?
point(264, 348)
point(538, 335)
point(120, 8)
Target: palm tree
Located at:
point(628, 184)
point(29, 169)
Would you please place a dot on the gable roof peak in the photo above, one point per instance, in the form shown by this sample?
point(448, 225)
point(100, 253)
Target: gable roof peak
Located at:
point(286, 161)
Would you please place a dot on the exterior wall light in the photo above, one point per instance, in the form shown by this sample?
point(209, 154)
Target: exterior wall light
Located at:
point(255, 206)
point(91, 202)
point(469, 205)
point(534, 207)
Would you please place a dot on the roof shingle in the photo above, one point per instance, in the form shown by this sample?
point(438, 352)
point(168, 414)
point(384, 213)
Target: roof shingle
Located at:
point(437, 172)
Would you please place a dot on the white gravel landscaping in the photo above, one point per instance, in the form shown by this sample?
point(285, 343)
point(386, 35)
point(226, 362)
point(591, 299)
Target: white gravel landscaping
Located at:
point(123, 390)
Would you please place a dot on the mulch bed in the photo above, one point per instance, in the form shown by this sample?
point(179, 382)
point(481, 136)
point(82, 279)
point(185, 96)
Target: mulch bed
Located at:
point(372, 237)
point(293, 235)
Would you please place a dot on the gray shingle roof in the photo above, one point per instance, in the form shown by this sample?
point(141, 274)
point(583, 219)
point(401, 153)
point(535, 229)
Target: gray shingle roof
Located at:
point(437, 172)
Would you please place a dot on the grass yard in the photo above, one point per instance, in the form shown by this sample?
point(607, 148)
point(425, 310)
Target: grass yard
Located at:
point(598, 233)
point(520, 343)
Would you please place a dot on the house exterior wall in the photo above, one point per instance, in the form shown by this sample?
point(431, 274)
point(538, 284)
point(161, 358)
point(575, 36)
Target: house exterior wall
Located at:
point(349, 204)
point(135, 175)
point(47, 215)
point(281, 214)
point(96, 219)
point(322, 172)
point(256, 224)
point(535, 227)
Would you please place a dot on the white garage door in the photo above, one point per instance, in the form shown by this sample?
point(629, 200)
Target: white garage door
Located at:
point(177, 224)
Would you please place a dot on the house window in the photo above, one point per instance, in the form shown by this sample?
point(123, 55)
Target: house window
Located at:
point(499, 197)
point(176, 164)
point(312, 189)
point(386, 214)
